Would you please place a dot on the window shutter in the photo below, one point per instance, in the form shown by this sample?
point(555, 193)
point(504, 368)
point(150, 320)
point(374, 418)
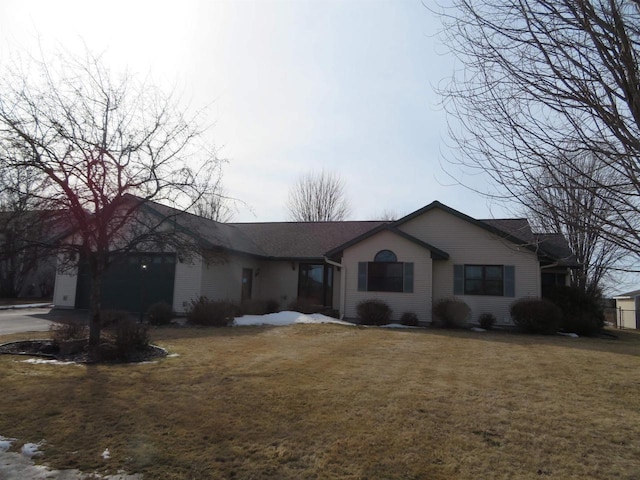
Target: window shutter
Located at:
point(509, 281)
point(458, 279)
point(408, 277)
point(362, 276)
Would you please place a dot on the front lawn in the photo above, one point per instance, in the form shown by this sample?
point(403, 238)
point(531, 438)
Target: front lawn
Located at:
point(337, 402)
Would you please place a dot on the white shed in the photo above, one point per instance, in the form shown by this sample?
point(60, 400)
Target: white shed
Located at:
point(628, 309)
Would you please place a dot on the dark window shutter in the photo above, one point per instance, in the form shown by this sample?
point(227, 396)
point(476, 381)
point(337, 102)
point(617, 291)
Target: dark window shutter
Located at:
point(458, 279)
point(408, 277)
point(509, 281)
point(362, 276)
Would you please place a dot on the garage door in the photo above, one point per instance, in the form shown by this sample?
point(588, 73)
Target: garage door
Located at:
point(133, 282)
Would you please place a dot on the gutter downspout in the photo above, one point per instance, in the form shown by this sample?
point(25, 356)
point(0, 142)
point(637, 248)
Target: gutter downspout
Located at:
point(343, 281)
point(552, 265)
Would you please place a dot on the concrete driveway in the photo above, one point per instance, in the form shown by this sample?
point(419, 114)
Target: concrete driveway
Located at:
point(38, 319)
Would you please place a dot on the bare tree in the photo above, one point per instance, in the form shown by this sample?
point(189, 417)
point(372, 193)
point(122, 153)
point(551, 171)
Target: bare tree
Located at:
point(214, 204)
point(559, 205)
point(387, 215)
point(318, 197)
point(100, 146)
point(546, 82)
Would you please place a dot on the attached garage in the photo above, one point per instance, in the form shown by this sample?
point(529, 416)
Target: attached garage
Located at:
point(133, 282)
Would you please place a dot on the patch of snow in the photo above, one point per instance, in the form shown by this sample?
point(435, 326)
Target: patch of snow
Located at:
point(14, 466)
point(26, 305)
point(478, 329)
point(285, 318)
point(571, 335)
point(20, 466)
point(31, 449)
point(5, 443)
point(396, 325)
point(48, 362)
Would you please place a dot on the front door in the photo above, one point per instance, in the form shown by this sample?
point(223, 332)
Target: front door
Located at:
point(247, 279)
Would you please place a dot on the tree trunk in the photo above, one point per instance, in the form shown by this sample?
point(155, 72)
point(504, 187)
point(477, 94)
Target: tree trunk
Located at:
point(95, 307)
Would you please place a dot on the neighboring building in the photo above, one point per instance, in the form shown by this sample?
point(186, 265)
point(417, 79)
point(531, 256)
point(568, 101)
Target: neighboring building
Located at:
point(628, 309)
point(27, 257)
point(433, 253)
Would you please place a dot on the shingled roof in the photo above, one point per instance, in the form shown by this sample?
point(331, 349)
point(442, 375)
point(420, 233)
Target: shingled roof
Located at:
point(289, 240)
point(552, 245)
point(210, 234)
point(312, 240)
point(274, 240)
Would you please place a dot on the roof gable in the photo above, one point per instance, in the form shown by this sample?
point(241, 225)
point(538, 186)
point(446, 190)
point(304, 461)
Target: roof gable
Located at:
point(491, 226)
point(550, 246)
point(436, 253)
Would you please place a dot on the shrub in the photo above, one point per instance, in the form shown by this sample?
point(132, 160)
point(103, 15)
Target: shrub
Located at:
point(409, 319)
point(65, 332)
point(532, 315)
point(69, 338)
point(259, 307)
point(219, 313)
point(582, 313)
point(373, 312)
point(306, 307)
point(303, 306)
point(160, 314)
point(450, 313)
point(130, 337)
point(272, 306)
point(487, 321)
point(112, 317)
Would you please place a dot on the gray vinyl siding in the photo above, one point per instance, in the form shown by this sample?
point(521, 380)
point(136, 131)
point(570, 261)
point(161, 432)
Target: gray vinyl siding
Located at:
point(469, 244)
point(418, 302)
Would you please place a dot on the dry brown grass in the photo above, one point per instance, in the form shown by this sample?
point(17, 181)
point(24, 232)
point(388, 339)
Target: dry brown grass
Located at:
point(332, 402)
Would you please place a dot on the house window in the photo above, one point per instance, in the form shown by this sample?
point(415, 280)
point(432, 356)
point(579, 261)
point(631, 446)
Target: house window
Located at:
point(551, 280)
point(385, 256)
point(315, 283)
point(483, 280)
point(385, 274)
point(495, 280)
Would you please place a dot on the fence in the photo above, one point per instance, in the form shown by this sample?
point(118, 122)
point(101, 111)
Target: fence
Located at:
point(621, 318)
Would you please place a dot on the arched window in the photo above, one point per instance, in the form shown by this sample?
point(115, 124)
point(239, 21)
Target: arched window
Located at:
point(385, 256)
point(386, 274)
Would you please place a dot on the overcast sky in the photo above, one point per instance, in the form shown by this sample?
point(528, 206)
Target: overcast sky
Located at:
point(292, 86)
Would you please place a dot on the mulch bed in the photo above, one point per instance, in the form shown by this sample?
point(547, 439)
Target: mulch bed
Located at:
point(47, 349)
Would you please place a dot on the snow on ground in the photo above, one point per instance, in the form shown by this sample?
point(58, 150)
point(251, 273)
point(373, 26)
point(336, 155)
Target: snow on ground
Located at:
point(396, 325)
point(285, 318)
point(20, 466)
point(47, 362)
point(31, 450)
point(5, 443)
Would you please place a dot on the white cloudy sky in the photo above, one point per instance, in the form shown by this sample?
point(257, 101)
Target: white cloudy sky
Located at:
point(292, 86)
